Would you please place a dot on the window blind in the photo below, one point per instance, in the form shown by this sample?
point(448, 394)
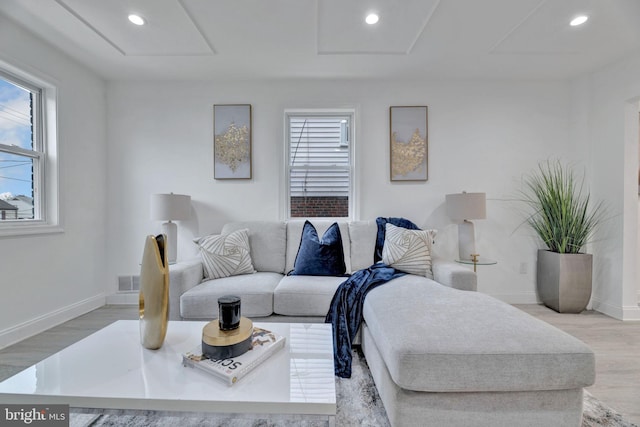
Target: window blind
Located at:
point(319, 156)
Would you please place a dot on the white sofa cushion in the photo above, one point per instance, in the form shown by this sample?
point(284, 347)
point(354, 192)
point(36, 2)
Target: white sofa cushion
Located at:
point(305, 295)
point(294, 233)
point(255, 292)
point(362, 240)
point(268, 242)
point(485, 409)
point(437, 339)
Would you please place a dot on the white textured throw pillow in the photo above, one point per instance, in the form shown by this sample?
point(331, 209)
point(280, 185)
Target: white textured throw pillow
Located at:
point(408, 250)
point(226, 255)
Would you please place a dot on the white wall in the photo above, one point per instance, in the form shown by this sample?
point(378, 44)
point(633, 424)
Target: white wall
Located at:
point(48, 279)
point(607, 101)
point(483, 136)
point(157, 137)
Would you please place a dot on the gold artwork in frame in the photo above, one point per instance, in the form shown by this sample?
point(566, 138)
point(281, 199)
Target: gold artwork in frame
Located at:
point(232, 141)
point(408, 142)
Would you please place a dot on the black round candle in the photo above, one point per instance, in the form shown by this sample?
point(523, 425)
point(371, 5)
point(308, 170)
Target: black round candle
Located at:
point(229, 312)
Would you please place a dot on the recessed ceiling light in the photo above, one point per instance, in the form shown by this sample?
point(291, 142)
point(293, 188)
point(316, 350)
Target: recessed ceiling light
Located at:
point(372, 18)
point(578, 20)
point(136, 19)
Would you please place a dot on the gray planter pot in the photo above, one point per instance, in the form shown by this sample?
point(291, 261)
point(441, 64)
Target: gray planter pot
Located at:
point(564, 280)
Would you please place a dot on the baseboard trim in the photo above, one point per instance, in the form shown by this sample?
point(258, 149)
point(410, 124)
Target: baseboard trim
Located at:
point(124, 298)
point(631, 313)
point(523, 298)
point(40, 324)
point(621, 313)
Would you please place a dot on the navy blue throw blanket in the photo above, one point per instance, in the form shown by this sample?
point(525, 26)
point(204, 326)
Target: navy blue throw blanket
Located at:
point(345, 312)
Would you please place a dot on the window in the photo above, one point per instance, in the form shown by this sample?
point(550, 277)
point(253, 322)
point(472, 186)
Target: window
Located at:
point(28, 177)
point(319, 163)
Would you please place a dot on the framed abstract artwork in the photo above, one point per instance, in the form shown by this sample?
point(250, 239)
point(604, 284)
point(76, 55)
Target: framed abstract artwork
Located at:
point(408, 143)
point(232, 141)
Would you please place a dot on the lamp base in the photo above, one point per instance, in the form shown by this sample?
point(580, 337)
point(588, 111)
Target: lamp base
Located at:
point(466, 240)
point(171, 231)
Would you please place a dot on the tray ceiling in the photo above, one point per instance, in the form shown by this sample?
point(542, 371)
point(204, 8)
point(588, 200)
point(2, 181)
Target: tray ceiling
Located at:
point(201, 39)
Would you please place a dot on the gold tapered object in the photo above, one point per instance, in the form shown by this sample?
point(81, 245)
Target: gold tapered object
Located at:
point(154, 292)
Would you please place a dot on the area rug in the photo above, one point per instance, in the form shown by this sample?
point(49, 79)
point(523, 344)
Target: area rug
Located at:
point(358, 405)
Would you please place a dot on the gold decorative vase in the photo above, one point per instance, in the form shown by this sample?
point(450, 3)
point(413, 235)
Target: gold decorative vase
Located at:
point(154, 292)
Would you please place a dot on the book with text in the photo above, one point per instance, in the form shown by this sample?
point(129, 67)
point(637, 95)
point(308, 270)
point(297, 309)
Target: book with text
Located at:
point(264, 344)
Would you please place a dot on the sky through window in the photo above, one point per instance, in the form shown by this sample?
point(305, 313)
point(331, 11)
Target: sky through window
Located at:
point(15, 130)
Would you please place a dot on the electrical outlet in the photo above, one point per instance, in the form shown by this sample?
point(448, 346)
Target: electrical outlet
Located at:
point(523, 268)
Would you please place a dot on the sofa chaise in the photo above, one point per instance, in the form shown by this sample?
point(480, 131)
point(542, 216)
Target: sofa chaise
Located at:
point(439, 353)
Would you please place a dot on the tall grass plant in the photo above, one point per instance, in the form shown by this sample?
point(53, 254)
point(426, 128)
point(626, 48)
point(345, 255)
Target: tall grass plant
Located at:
point(564, 216)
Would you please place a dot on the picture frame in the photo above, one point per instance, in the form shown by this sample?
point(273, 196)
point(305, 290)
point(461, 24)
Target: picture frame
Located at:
point(408, 143)
point(232, 129)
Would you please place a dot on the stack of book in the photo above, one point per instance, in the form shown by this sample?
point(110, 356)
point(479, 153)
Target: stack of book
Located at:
point(264, 344)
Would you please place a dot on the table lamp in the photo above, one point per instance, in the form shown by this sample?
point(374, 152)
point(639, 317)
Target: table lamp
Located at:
point(170, 207)
point(463, 207)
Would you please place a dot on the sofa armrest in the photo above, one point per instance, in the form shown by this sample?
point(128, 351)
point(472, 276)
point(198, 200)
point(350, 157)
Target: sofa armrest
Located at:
point(182, 277)
point(454, 275)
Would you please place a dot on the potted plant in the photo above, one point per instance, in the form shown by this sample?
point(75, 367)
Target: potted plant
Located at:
point(565, 221)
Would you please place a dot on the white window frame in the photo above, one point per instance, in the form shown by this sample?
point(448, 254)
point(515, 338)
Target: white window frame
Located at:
point(44, 153)
point(287, 153)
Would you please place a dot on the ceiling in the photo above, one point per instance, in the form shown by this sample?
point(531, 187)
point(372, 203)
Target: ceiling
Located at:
point(205, 39)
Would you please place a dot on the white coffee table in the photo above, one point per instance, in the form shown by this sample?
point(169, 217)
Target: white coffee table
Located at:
point(111, 370)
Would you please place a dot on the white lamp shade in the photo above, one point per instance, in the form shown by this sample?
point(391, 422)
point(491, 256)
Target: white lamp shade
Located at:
point(170, 207)
point(463, 206)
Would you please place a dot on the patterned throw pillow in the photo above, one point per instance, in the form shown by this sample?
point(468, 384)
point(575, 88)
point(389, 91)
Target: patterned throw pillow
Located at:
point(408, 250)
point(226, 255)
point(382, 222)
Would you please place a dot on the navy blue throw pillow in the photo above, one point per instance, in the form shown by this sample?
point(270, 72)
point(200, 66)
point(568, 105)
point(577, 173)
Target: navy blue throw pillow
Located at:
point(382, 228)
point(320, 257)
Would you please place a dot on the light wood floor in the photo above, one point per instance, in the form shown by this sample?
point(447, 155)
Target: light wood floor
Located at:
point(616, 344)
point(17, 357)
point(617, 348)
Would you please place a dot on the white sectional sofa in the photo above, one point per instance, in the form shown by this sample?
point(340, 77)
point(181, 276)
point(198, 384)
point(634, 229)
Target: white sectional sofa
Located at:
point(439, 354)
point(269, 291)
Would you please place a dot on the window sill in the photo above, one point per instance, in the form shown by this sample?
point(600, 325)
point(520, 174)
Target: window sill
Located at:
point(31, 229)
